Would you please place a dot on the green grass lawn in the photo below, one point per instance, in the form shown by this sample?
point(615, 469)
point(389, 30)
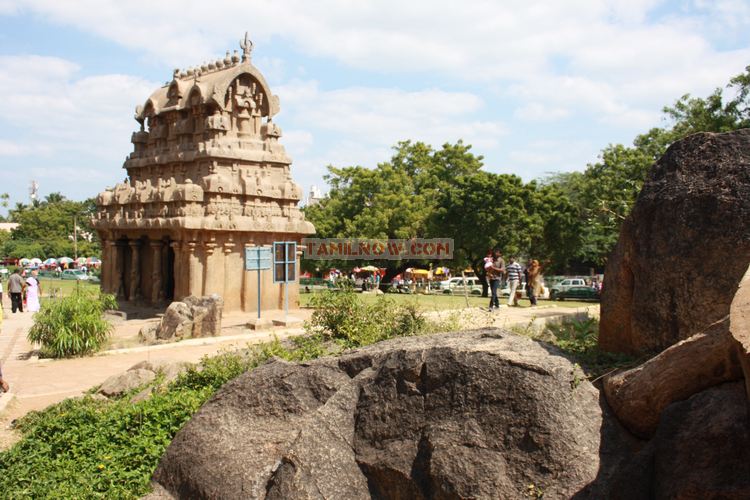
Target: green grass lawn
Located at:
point(63, 288)
point(442, 302)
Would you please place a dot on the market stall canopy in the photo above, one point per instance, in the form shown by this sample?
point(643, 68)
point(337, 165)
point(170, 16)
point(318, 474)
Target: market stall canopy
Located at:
point(420, 272)
point(371, 269)
point(64, 260)
point(24, 262)
point(36, 261)
point(50, 262)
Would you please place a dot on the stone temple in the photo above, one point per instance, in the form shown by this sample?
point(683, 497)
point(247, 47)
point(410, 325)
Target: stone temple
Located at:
point(207, 178)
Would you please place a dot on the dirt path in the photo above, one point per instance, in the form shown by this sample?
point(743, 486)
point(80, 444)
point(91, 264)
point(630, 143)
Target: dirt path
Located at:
point(37, 383)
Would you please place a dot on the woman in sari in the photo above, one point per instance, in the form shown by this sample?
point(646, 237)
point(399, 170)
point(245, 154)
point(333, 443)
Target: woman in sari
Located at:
point(533, 280)
point(33, 291)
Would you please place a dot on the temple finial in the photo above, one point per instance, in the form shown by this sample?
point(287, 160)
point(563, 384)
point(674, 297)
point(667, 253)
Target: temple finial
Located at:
point(247, 46)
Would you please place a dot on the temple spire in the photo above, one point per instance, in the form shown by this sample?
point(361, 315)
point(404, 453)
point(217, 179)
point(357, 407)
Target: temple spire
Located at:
point(247, 46)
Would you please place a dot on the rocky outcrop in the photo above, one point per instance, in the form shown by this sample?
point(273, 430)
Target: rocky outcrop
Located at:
point(639, 396)
point(193, 317)
point(117, 385)
point(483, 414)
point(701, 450)
point(739, 325)
point(140, 375)
point(683, 249)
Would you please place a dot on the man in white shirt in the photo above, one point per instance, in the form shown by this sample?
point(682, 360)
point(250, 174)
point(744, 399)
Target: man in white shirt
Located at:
point(514, 271)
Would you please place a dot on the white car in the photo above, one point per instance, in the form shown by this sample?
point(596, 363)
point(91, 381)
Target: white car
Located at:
point(74, 274)
point(459, 285)
point(566, 285)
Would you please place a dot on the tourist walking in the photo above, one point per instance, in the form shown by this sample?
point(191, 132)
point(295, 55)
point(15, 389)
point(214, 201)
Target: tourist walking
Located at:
point(15, 289)
point(533, 280)
point(514, 272)
point(33, 291)
point(494, 266)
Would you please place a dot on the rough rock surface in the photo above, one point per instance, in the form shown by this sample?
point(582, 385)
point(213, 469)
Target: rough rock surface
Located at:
point(739, 325)
point(701, 450)
point(139, 375)
point(117, 385)
point(191, 318)
point(639, 396)
point(684, 248)
point(480, 414)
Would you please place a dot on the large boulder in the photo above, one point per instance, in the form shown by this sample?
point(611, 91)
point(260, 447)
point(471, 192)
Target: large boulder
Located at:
point(190, 318)
point(483, 414)
point(739, 325)
point(701, 450)
point(683, 249)
point(638, 396)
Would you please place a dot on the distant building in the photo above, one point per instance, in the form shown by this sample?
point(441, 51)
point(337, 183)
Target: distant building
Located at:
point(8, 226)
point(314, 196)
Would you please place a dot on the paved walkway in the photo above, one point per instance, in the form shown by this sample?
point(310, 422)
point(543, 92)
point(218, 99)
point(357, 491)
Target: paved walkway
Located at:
point(36, 383)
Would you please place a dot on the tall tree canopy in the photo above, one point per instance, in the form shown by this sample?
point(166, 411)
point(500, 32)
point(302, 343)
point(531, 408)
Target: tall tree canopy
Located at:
point(46, 229)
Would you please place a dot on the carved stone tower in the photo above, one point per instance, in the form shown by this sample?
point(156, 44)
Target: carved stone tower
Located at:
point(207, 177)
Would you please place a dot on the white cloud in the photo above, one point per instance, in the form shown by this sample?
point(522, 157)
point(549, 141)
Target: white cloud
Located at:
point(383, 116)
point(615, 47)
point(10, 148)
point(538, 112)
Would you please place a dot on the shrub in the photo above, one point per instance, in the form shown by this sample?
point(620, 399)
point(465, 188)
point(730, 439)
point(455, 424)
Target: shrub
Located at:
point(342, 317)
point(579, 339)
point(73, 325)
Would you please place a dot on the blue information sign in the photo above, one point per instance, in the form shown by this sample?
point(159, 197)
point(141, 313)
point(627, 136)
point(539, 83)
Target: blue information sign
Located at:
point(257, 258)
point(284, 262)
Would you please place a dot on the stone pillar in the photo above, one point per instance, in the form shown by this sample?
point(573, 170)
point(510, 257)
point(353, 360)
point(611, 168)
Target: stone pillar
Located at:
point(196, 270)
point(105, 276)
point(116, 269)
point(232, 293)
point(213, 274)
point(246, 282)
point(179, 270)
point(157, 288)
point(135, 270)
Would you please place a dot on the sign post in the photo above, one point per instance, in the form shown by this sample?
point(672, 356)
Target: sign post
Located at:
point(258, 259)
point(285, 271)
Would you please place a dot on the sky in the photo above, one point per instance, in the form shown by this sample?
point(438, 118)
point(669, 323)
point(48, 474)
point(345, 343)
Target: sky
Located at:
point(536, 87)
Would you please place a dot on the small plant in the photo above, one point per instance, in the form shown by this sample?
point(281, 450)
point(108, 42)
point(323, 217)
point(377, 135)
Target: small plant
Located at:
point(73, 325)
point(343, 318)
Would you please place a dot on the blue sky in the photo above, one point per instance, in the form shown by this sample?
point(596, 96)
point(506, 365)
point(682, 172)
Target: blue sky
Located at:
point(535, 87)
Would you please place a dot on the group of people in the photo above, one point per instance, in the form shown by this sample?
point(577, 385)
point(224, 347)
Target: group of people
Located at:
point(514, 274)
point(20, 286)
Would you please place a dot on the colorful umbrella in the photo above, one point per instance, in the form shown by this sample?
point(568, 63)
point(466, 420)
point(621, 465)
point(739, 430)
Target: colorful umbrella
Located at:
point(371, 269)
point(50, 262)
point(81, 261)
point(36, 261)
point(421, 272)
point(64, 260)
point(24, 262)
point(93, 260)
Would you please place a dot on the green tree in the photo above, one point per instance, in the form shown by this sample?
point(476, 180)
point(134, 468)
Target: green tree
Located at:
point(46, 229)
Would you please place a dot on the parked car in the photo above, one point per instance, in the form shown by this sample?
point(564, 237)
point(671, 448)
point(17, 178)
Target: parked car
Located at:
point(565, 285)
point(578, 293)
point(74, 274)
point(459, 285)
